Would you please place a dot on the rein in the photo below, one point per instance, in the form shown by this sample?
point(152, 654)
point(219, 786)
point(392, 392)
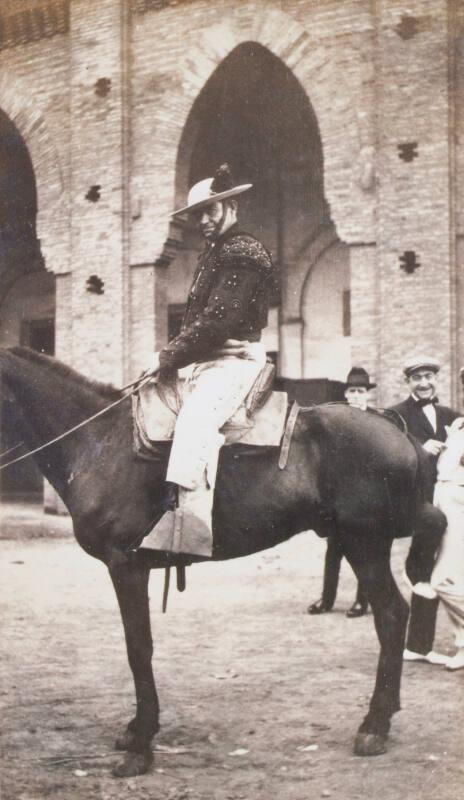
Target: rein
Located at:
point(134, 386)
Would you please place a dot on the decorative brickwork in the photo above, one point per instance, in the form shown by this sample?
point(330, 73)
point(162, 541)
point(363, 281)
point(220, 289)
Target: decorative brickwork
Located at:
point(105, 103)
point(414, 212)
point(141, 6)
point(25, 22)
point(348, 166)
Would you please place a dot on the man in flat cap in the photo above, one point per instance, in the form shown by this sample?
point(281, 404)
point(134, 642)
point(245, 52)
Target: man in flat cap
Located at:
point(426, 420)
point(357, 388)
point(227, 309)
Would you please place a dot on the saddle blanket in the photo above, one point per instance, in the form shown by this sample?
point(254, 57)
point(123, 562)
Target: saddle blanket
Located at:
point(155, 418)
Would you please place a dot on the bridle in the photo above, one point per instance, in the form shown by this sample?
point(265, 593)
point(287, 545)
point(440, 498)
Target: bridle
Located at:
point(134, 387)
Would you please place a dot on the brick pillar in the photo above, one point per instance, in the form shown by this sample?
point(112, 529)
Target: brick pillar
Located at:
point(365, 310)
point(99, 218)
point(414, 215)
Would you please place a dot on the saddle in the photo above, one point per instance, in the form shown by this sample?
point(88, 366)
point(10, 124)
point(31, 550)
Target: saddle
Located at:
point(259, 421)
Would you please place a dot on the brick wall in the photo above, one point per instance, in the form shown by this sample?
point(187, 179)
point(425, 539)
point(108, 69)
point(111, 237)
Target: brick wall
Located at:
point(105, 104)
point(414, 211)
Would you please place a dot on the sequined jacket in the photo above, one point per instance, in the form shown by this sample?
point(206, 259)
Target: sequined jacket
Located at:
point(228, 299)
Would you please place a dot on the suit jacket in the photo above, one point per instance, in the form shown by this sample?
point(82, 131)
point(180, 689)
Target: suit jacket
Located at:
point(420, 428)
point(418, 424)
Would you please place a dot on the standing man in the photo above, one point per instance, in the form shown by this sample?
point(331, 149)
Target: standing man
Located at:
point(357, 390)
point(426, 421)
point(227, 309)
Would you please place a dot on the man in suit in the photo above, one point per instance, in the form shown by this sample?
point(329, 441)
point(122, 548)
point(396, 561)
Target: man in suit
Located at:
point(357, 388)
point(426, 420)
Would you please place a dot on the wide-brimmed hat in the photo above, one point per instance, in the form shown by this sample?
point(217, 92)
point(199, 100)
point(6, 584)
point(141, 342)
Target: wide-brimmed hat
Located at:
point(212, 190)
point(420, 362)
point(358, 378)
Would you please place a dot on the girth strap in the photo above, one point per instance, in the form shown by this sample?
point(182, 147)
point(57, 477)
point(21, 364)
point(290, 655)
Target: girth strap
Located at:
point(288, 433)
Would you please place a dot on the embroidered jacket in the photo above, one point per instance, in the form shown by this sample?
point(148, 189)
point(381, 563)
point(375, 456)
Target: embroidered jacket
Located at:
point(229, 299)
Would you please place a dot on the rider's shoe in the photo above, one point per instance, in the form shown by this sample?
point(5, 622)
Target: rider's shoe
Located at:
point(357, 610)
point(319, 607)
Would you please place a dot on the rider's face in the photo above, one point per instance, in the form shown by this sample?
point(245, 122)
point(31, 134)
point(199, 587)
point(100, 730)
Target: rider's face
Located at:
point(215, 219)
point(357, 396)
point(423, 383)
point(208, 219)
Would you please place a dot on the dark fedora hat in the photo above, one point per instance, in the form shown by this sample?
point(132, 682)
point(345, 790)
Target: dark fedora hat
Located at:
point(358, 377)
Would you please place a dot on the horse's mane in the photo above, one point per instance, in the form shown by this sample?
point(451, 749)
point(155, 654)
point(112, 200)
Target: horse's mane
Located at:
point(103, 389)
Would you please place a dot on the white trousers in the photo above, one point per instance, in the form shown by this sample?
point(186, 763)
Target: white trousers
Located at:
point(212, 394)
point(448, 574)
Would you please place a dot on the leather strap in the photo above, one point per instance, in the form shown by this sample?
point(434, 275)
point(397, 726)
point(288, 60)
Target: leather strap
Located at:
point(167, 579)
point(181, 580)
point(288, 433)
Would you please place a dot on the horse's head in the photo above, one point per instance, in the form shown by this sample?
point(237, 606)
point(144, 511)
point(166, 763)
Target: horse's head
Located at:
point(41, 398)
point(40, 382)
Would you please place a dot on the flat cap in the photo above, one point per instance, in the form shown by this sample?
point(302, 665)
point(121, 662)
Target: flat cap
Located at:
point(420, 362)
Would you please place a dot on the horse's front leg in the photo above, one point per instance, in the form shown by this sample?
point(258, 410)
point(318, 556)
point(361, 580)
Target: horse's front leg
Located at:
point(370, 559)
point(130, 581)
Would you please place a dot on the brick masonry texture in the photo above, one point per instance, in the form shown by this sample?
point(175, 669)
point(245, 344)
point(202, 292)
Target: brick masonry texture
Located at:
point(371, 85)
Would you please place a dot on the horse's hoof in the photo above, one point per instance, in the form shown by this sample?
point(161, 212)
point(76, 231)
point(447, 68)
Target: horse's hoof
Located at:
point(126, 741)
point(134, 764)
point(370, 744)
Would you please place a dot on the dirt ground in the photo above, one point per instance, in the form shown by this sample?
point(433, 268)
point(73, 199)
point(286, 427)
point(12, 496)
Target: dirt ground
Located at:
point(247, 682)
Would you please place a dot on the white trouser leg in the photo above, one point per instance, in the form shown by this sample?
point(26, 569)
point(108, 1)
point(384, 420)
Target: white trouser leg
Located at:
point(215, 392)
point(448, 574)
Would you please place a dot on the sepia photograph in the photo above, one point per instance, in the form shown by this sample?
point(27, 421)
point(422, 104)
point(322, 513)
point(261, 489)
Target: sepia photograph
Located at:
point(232, 399)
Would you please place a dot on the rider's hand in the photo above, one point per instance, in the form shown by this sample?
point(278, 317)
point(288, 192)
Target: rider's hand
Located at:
point(232, 347)
point(433, 446)
point(168, 377)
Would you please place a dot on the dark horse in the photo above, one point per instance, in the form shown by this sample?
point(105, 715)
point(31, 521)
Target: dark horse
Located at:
point(355, 475)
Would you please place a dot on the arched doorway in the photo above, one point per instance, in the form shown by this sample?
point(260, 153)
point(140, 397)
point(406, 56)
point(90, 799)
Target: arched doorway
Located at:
point(27, 290)
point(19, 248)
point(326, 316)
point(254, 113)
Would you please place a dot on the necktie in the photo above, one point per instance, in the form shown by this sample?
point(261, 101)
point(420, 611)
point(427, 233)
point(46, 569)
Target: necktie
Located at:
point(422, 403)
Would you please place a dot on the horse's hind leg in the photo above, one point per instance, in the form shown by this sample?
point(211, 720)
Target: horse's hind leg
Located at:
point(130, 581)
point(370, 558)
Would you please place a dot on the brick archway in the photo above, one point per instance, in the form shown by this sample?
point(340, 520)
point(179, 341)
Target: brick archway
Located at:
point(22, 110)
point(348, 166)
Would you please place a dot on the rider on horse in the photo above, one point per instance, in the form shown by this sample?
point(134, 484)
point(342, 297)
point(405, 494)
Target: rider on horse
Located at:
point(227, 309)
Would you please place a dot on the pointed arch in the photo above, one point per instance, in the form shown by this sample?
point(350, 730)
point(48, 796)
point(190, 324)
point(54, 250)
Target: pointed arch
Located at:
point(21, 108)
point(348, 168)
